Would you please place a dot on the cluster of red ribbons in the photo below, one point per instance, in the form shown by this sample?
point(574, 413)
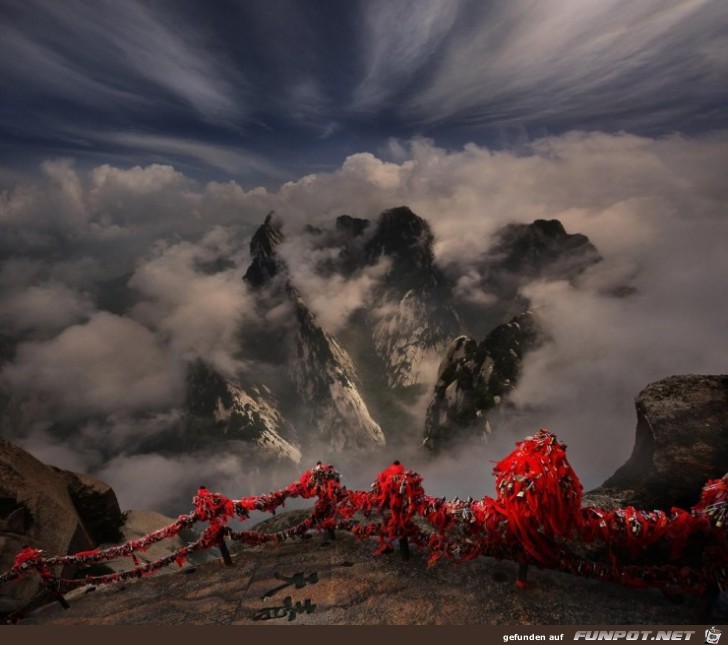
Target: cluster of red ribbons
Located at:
point(536, 517)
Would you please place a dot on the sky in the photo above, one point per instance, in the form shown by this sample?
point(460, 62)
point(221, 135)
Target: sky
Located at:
point(142, 143)
point(265, 92)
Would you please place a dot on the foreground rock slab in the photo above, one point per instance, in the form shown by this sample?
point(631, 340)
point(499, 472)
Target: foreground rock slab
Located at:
point(324, 581)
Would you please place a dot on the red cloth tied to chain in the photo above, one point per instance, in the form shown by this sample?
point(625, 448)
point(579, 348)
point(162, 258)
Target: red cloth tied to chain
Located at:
point(27, 556)
point(383, 490)
point(536, 513)
point(213, 507)
point(714, 502)
point(398, 495)
point(539, 494)
point(32, 558)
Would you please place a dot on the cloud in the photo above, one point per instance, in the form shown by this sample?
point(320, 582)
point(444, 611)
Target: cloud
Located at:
point(55, 74)
point(193, 301)
point(332, 297)
point(109, 363)
point(168, 483)
point(115, 214)
point(70, 455)
point(137, 180)
point(44, 213)
point(229, 88)
point(152, 480)
point(44, 308)
point(399, 39)
point(232, 160)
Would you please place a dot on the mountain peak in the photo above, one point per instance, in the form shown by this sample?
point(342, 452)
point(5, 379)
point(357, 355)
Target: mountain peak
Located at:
point(543, 248)
point(399, 230)
point(265, 264)
point(474, 378)
point(549, 227)
point(406, 239)
point(352, 226)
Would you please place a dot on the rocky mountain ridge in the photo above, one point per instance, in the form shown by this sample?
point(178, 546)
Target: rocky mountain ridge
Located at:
point(363, 384)
point(354, 387)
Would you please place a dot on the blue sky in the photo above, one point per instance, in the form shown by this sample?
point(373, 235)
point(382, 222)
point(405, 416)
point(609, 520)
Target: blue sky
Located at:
point(265, 92)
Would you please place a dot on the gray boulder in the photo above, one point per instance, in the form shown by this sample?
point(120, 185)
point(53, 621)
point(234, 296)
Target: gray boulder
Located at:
point(681, 442)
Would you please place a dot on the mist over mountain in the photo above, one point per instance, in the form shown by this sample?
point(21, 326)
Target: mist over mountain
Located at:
point(132, 347)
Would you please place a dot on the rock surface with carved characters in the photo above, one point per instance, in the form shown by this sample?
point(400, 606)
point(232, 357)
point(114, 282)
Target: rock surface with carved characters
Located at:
point(324, 581)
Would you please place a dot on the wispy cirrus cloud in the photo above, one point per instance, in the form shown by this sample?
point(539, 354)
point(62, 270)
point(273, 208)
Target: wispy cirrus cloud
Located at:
point(94, 52)
point(227, 158)
point(552, 61)
point(398, 39)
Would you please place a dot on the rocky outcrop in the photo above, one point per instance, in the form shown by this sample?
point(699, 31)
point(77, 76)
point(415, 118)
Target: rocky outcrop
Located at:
point(96, 504)
point(681, 441)
point(45, 508)
point(406, 240)
point(473, 379)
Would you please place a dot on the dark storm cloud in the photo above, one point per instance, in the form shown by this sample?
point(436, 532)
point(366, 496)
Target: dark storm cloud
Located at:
point(262, 90)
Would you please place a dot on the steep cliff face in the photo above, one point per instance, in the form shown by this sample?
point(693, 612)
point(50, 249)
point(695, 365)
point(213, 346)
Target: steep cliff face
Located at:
point(265, 263)
point(680, 442)
point(474, 378)
point(412, 317)
point(320, 370)
point(326, 381)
